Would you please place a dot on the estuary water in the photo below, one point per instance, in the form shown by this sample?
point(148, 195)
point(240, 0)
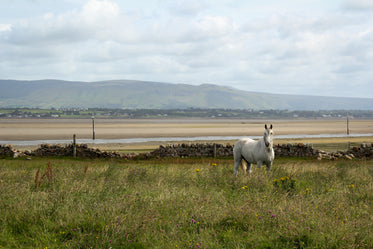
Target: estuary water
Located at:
point(174, 139)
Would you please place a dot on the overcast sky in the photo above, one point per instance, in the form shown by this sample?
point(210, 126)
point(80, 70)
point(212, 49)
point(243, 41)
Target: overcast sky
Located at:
point(312, 47)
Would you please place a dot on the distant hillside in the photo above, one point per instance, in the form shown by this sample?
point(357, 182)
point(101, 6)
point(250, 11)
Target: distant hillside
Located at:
point(132, 94)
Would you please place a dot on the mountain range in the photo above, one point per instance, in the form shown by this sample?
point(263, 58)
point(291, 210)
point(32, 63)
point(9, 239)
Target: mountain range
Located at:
point(132, 94)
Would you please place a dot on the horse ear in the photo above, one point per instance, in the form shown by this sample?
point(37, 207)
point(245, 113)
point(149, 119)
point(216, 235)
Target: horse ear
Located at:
point(265, 126)
point(271, 127)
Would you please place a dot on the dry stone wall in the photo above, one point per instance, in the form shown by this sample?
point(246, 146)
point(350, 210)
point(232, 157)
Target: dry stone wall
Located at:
point(194, 150)
point(82, 150)
point(365, 150)
point(281, 150)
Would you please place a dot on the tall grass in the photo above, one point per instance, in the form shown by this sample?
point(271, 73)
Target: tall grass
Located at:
point(185, 203)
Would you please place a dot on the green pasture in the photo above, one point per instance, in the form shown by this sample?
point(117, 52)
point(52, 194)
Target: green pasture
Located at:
point(184, 203)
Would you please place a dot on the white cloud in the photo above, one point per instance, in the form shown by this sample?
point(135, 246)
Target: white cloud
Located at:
point(95, 9)
point(5, 27)
point(358, 5)
point(187, 8)
point(212, 26)
point(96, 20)
point(316, 52)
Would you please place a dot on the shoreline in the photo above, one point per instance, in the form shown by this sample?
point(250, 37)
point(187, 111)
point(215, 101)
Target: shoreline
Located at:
point(63, 129)
point(333, 142)
point(188, 139)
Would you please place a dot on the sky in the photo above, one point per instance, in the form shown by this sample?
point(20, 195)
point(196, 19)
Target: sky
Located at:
point(308, 47)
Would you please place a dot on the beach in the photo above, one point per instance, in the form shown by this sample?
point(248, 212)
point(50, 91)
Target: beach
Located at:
point(64, 129)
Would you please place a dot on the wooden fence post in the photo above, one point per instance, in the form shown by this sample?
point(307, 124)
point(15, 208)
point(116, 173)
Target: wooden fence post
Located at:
point(74, 145)
point(93, 128)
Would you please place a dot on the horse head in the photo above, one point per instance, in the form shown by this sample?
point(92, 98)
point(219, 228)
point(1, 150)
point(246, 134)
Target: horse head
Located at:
point(268, 135)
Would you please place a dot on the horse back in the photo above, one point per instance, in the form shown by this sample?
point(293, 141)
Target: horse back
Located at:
point(244, 142)
point(246, 147)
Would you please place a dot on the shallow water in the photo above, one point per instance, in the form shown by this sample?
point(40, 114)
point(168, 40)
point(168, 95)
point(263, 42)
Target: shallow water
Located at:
point(173, 139)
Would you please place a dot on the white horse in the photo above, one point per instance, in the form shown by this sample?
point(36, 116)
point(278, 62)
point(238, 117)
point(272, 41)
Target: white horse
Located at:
point(254, 152)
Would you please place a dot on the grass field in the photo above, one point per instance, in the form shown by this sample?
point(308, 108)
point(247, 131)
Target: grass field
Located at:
point(184, 203)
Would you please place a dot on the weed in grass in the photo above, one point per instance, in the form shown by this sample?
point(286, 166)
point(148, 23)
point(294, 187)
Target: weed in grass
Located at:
point(284, 183)
point(48, 175)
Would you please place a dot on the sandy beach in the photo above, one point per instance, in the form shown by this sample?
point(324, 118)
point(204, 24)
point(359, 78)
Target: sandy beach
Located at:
point(62, 129)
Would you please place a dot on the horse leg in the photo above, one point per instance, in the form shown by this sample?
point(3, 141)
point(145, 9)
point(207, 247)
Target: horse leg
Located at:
point(259, 164)
point(249, 169)
point(237, 162)
point(269, 165)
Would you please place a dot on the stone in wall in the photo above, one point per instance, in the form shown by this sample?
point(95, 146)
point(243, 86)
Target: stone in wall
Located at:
point(7, 150)
point(365, 150)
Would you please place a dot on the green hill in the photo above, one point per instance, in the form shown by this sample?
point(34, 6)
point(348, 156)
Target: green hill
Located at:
point(132, 94)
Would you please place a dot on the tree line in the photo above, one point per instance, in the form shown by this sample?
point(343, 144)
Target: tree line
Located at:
point(179, 113)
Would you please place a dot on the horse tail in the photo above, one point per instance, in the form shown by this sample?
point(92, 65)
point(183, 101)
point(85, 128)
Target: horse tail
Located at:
point(244, 164)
